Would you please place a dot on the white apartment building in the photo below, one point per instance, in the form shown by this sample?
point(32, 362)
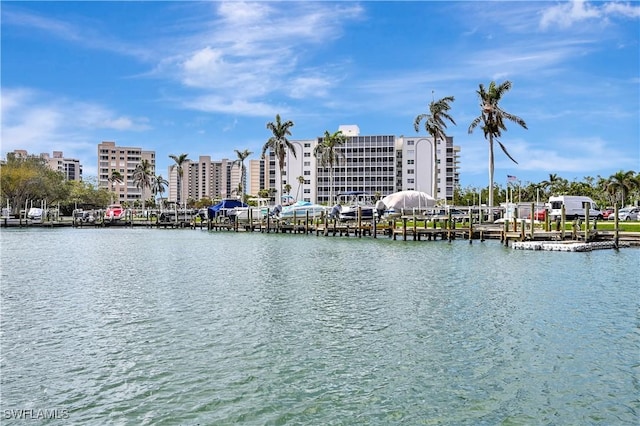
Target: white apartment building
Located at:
point(124, 160)
point(417, 170)
point(377, 164)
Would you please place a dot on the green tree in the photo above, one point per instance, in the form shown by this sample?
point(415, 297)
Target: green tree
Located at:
point(242, 155)
point(492, 119)
point(158, 184)
point(24, 179)
point(435, 125)
point(279, 144)
point(143, 176)
point(620, 184)
point(115, 177)
point(328, 154)
point(179, 168)
point(300, 183)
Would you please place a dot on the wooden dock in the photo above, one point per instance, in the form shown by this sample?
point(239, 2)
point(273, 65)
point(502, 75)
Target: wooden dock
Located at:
point(403, 228)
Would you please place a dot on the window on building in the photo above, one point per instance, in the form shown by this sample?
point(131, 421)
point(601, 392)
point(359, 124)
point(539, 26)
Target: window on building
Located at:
point(307, 154)
point(410, 143)
point(410, 171)
point(410, 161)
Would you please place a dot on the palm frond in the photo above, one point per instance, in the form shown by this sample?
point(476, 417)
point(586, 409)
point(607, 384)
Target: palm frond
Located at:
point(504, 149)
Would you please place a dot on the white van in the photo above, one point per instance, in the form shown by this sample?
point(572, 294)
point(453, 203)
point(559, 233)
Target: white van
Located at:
point(574, 207)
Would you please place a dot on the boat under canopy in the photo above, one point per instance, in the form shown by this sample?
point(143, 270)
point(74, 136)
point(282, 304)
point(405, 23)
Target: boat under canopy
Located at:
point(408, 201)
point(223, 207)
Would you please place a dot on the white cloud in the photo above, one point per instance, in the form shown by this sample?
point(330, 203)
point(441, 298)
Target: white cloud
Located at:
point(254, 50)
point(214, 103)
point(36, 121)
point(623, 9)
point(566, 14)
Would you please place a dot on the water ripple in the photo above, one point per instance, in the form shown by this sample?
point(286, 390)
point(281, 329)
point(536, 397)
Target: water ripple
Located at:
point(190, 327)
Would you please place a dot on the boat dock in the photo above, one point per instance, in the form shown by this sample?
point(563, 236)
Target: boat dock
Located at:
point(517, 234)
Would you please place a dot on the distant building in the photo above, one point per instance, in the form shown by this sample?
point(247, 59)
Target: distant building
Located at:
point(123, 160)
point(70, 167)
point(377, 164)
point(204, 178)
point(257, 176)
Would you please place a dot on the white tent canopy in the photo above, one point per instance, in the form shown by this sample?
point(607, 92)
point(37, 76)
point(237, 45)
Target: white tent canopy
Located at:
point(406, 200)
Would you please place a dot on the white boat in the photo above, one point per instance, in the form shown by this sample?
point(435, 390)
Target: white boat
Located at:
point(352, 202)
point(300, 209)
point(35, 214)
point(114, 212)
point(257, 212)
point(408, 202)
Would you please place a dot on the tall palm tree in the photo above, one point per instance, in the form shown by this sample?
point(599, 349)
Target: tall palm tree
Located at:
point(179, 168)
point(300, 182)
point(142, 177)
point(279, 144)
point(242, 155)
point(115, 177)
point(158, 184)
point(492, 118)
point(621, 184)
point(329, 155)
point(435, 125)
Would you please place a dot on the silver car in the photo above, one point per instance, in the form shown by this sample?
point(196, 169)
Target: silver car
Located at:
point(627, 213)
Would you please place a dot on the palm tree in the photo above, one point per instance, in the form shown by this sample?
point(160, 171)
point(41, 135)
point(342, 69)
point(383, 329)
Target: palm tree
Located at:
point(435, 125)
point(242, 155)
point(492, 119)
point(621, 183)
point(142, 177)
point(279, 144)
point(115, 177)
point(300, 182)
point(328, 154)
point(158, 183)
point(178, 166)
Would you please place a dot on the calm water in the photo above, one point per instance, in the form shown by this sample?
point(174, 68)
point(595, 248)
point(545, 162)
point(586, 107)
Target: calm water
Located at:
point(186, 327)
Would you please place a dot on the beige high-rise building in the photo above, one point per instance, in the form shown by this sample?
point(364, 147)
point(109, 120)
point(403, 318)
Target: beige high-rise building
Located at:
point(258, 176)
point(123, 160)
point(70, 167)
point(204, 178)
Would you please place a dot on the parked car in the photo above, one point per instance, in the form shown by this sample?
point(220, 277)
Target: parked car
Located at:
point(627, 213)
point(540, 214)
point(606, 213)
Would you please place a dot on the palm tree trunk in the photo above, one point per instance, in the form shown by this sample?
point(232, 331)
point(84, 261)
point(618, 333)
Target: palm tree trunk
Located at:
point(491, 167)
point(279, 200)
point(435, 168)
point(330, 185)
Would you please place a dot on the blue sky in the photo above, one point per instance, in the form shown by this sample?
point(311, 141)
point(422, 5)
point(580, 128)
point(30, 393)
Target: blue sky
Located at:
point(204, 78)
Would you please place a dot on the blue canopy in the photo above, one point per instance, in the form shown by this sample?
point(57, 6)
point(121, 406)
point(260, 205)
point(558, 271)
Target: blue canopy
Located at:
point(221, 208)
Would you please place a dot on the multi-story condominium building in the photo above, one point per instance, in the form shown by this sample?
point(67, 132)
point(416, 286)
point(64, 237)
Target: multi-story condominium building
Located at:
point(204, 179)
point(70, 167)
point(123, 160)
point(257, 176)
point(417, 164)
point(379, 165)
